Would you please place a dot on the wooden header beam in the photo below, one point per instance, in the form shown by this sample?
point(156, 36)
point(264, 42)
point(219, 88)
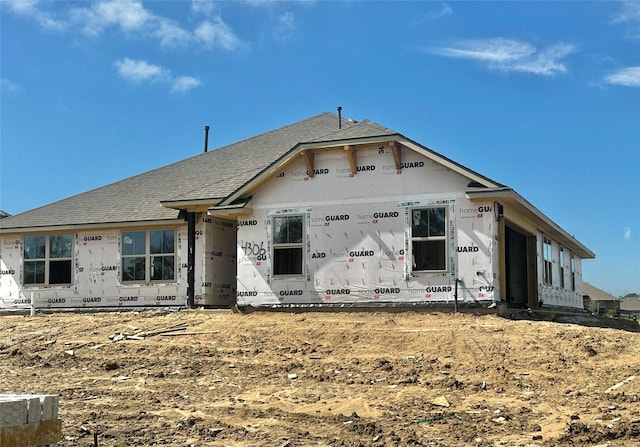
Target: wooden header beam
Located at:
point(308, 160)
point(351, 155)
point(350, 150)
point(397, 156)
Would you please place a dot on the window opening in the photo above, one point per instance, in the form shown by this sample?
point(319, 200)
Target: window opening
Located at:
point(148, 255)
point(548, 256)
point(429, 239)
point(288, 248)
point(573, 273)
point(47, 259)
point(561, 255)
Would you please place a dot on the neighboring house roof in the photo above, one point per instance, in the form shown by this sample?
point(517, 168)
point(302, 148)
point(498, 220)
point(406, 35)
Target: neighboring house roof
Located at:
point(228, 175)
point(630, 304)
point(4, 214)
point(595, 293)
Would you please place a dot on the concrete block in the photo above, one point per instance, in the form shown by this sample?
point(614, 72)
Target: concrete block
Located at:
point(34, 413)
point(13, 412)
point(49, 406)
point(56, 403)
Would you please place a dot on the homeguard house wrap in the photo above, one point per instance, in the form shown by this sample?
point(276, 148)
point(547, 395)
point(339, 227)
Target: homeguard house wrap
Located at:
point(318, 213)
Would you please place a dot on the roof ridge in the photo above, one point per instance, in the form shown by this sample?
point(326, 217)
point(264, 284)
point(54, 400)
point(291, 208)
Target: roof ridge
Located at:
point(273, 131)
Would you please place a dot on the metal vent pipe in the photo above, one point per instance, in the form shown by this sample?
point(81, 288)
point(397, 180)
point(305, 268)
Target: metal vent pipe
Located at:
point(206, 138)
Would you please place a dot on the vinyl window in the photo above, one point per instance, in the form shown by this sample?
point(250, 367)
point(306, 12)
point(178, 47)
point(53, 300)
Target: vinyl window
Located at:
point(548, 261)
point(148, 256)
point(573, 273)
point(429, 239)
point(288, 247)
point(561, 258)
point(48, 259)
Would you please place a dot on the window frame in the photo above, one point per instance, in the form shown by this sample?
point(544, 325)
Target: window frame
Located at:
point(573, 272)
point(561, 262)
point(547, 257)
point(288, 246)
point(442, 239)
point(47, 259)
point(148, 257)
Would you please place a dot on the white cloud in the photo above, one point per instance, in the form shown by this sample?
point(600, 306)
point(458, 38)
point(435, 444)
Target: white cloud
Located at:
point(627, 234)
point(444, 10)
point(629, 77)
point(285, 25)
point(216, 34)
point(132, 18)
point(170, 33)
point(206, 7)
point(9, 86)
point(546, 62)
point(138, 70)
point(31, 9)
point(491, 50)
point(142, 71)
point(509, 55)
point(126, 14)
point(185, 83)
point(629, 12)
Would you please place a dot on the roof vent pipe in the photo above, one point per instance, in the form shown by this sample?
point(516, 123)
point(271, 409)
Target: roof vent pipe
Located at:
point(339, 117)
point(206, 138)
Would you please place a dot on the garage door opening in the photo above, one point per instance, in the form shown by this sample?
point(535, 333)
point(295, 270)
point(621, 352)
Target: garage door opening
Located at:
point(520, 265)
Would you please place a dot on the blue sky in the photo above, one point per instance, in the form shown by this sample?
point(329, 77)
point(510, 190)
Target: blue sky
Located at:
point(541, 96)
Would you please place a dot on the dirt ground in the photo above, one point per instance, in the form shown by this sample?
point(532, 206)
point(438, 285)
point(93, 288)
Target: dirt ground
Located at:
point(216, 378)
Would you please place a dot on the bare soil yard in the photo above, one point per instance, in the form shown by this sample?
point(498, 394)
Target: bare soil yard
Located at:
point(216, 378)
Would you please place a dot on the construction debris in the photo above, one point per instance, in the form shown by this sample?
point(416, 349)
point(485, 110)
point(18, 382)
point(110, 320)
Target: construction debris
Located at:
point(139, 334)
point(619, 384)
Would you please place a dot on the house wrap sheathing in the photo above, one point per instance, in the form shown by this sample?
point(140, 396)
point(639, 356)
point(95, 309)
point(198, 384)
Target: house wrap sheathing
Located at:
point(323, 212)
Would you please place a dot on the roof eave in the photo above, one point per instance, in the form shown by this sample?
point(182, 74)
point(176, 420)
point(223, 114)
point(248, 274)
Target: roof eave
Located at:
point(509, 197)
point(196, 205)
point(89, 226)
point(234, 210)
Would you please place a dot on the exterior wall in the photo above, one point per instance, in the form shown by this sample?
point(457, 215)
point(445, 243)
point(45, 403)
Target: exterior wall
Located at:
point(357, 245)
point(477, 251)
point(96, 276)
point(554, 294)
point(215, 261)
point(10, 270)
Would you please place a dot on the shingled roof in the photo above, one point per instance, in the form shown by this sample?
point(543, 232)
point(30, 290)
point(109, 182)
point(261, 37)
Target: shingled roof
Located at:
point(223, 175)
point(209, 176)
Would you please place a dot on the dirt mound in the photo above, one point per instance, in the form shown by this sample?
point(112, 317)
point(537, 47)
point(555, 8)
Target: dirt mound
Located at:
point(326, 379)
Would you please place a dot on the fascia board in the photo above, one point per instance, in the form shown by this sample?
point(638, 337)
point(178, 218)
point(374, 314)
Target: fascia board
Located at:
point(231, 210)
point(351, 141)
point(191, 205)
point(544, 224)
point(91, 227)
